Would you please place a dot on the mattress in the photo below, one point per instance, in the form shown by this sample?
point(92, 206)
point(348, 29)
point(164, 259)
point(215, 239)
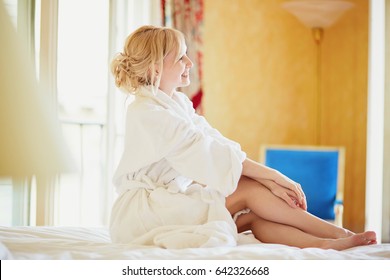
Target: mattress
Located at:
point(83, 243)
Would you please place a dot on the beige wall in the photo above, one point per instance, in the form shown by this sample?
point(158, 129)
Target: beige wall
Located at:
point(260, 83)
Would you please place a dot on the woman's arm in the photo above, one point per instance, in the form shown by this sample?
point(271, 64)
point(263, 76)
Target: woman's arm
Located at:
point(279, 184)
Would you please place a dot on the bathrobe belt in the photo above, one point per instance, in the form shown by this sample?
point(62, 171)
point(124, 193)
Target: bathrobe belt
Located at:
point(145, 183)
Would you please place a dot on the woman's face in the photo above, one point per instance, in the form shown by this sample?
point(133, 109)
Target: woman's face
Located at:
point(175, 73)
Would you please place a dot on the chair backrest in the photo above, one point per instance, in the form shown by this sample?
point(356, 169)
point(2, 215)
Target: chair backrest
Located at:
point(319, 170)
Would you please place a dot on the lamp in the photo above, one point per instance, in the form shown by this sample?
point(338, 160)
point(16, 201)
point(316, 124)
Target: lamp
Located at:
point(31, 142)
point(318, 15)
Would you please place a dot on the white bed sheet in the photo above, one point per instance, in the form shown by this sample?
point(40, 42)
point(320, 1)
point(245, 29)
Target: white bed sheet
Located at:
point(79, 243)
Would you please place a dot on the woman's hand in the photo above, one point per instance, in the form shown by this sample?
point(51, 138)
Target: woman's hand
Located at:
point(293, 195)
point(289, 184)
point(279, 184)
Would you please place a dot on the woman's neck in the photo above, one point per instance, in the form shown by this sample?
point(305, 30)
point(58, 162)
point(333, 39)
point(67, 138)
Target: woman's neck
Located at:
point(167, 91)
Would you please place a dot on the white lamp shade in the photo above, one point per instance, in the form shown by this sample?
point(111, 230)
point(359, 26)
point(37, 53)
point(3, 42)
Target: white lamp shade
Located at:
point(31, 142)
point(317, 13)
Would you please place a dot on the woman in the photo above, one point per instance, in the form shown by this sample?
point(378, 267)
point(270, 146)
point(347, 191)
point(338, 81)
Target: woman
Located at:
point(181, 183)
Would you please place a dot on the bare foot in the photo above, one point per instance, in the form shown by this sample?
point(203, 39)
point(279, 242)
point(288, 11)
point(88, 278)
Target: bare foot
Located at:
point(359, 239)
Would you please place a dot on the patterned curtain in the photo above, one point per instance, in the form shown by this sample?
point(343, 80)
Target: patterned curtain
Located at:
point(187, 16)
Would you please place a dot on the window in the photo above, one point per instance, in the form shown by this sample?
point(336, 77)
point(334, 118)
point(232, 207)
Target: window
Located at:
point(72, 44)
point(82, 75)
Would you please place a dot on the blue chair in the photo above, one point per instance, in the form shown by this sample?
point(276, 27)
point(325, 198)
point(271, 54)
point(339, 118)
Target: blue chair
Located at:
point(319, 170)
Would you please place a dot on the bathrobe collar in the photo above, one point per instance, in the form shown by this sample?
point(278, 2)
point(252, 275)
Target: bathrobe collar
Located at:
point(176, 102)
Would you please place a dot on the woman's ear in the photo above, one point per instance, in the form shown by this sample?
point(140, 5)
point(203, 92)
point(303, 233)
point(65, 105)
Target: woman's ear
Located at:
point(154, 73)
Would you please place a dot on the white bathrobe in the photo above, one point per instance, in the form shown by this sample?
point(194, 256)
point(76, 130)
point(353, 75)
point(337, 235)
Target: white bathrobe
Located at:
point(174, 176)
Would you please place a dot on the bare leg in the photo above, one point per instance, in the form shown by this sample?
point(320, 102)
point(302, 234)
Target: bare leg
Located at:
point(251, 194)
point(270, 232)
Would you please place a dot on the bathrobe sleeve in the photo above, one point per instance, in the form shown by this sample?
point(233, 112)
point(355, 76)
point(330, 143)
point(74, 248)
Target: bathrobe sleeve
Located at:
point(192, 151)
point(202, 123)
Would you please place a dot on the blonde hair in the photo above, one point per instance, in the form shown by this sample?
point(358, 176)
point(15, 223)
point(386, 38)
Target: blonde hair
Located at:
point(143, 55)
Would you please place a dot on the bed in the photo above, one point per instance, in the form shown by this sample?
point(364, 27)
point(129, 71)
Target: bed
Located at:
point(83, 243)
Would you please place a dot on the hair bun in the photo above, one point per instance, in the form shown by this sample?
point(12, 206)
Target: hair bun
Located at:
point(121, 70)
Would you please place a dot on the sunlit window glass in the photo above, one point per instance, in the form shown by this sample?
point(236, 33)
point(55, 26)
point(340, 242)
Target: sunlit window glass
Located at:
point(82, 96)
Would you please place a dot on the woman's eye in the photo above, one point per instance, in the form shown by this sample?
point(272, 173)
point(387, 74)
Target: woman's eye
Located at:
point(181, 58)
